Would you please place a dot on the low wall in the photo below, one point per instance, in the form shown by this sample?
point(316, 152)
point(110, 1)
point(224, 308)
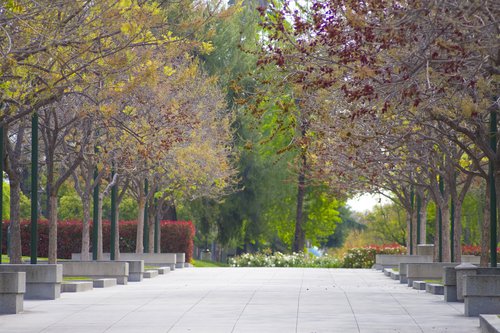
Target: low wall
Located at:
point(472, 259)
point(98, 269)
point(12, 289)
point(392, 260)
point(150, 259)
point(43, 281)
point(426, 271)
point(481, 295)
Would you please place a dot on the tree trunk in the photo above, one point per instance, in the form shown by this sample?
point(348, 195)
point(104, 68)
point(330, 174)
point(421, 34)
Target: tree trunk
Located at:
point(53, 228)
point(158, 237)
point(457, 236)
point(85, 254)
point(423, 220)
point(445, 213)
point(139, 244)
point(151, 223)
point(414, 231)
point(99, 227)
point(485, 234)
point(300, 238)
point(436, 235)
point(15, 227)
point(408, 234)
point(117, 232)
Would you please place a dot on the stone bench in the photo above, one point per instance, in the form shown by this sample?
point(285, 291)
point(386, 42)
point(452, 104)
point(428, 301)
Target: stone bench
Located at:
point(76, 286)
point(481, 295)
point(150, 273)
point(434, 288)
point(163, 270)
point(98, 269)
point(12, 289)
point(104, 283)
point(489, 323)
point(392, 260)
point(395, 275)
point(419, 285)
point(426, 271)
point(43, 281)
point(467, 269)
point(149, 259)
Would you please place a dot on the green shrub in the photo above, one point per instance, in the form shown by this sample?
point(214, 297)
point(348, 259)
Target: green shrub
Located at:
point(364, 257)
point(359, 258)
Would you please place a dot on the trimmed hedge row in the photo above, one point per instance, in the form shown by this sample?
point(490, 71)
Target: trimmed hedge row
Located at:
point(176, 236)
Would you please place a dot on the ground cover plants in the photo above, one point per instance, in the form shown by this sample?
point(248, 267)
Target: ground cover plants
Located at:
point(359, 257)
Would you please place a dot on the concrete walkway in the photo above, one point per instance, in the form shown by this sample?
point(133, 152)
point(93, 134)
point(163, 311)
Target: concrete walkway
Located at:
point(247, 300)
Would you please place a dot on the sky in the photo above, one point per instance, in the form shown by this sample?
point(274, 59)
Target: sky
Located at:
point(366, 202)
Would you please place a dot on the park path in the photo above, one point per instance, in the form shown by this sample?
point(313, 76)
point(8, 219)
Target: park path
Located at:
point(247, 300)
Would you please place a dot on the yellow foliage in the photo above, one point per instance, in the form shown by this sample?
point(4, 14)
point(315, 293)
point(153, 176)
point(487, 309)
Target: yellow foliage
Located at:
point(206, 48)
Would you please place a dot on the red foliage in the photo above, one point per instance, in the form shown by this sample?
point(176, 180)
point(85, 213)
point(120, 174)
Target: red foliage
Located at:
point(176, 236)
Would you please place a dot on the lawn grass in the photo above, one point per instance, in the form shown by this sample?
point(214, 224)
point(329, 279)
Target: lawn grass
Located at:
point(77, 278)
point(434, 281)
point(203, 263)
point(25, 259)
point(147, 268)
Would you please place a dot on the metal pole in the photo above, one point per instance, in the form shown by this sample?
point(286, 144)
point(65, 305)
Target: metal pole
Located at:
point(412, 199)
point(34, 188)
point(1, 192)
point(95, 220)
point(146, 226)
point(113, 216)
point(440, 226)
point(493, 193)
point(157, 226)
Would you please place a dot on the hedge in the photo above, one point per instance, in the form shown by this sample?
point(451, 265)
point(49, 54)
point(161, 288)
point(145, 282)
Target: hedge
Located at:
point(176, 236)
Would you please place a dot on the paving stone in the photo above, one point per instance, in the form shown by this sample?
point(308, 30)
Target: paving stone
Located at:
point(240, 300)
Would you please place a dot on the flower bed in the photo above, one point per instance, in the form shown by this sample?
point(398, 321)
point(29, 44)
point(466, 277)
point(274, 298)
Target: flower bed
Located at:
point(279, 259)
point(364, 257)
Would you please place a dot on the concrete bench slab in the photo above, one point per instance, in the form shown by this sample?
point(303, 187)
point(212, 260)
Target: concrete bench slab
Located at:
point(419, 285)
point(118, 270)
point(425, 249)
point(12, 289)
point(104, 283)
point(180, 259)
point(489, 323)
point(150, 273)
point(76, 286)
point(149, 259)
point(434, 288)
point(163, 270)
point(426, 271)
point(393, 260)
point(395, 275)
point(43, 281)
point(481, 295)
point(387, 271)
